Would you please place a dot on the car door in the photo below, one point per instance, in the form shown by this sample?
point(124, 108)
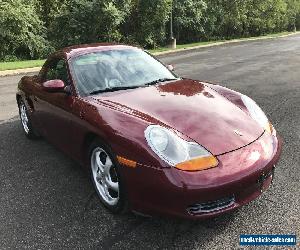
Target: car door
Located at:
point(55, 109)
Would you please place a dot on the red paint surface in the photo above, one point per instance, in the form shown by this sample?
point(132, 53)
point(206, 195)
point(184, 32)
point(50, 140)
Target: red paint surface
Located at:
point(205, 113)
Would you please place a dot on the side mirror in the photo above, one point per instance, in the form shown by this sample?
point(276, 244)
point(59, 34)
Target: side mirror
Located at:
point(54, 86)
point(170, 67)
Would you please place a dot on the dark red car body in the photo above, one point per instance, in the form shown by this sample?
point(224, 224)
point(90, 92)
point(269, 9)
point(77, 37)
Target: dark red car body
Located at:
point(203, 112)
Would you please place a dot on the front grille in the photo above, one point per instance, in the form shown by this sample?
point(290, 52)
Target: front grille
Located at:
point(211, 206)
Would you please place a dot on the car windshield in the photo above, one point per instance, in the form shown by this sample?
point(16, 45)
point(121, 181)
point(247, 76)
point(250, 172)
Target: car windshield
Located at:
point(113, 70)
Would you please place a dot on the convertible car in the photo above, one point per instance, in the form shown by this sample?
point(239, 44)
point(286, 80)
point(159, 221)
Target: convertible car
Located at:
point(154, 143)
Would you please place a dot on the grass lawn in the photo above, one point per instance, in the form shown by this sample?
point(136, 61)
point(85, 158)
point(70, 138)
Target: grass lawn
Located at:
point(38, 63)
point(21, 64)
point(183, 46)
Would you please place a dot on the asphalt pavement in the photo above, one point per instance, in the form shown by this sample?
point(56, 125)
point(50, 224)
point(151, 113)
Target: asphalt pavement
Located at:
point(48, 202)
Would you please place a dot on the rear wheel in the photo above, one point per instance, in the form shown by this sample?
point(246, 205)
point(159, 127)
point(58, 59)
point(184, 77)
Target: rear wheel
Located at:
point(106, 178)
point(25, 121)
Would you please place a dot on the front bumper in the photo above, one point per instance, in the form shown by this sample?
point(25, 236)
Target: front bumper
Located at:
point(240, 177)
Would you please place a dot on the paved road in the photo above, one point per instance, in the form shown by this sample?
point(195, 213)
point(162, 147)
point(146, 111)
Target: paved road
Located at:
point(46, 200)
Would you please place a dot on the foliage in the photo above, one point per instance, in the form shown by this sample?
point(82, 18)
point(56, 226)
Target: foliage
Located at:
point(83, 21)
point(147, 22)
point(189, 19)
point(46, 9)
point(242, 18)
point(293, 14)
point(267, 16)
point(31, 28)
point(21, 30)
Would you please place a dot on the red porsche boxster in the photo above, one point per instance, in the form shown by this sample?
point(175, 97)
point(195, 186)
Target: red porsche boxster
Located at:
point(154, 143)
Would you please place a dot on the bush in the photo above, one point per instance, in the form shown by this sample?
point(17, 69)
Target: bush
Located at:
point(147, 22)
point(293, 14)
point(29, 27)
point(189, 20)
point(21, 31)
point(84, 21)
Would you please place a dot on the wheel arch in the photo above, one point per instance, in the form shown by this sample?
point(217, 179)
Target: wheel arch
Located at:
point(87, 141)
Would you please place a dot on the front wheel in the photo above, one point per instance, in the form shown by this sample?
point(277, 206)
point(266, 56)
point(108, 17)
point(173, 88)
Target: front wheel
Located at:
point(106, 178)
point(25, 121)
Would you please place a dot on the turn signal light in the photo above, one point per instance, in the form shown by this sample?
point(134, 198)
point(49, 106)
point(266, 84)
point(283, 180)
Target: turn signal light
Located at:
point(269, 128)
point(126, 162)
point(198, 164)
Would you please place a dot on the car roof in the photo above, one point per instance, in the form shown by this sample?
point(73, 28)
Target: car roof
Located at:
point(77, 50)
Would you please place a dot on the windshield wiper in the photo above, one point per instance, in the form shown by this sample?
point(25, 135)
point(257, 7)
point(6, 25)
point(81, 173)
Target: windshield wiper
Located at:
point(95, 92)
point(161, 80)
point(98, 91)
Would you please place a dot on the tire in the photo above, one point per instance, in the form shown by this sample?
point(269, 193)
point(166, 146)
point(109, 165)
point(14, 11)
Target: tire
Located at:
point(25, 121)
point(106, 178)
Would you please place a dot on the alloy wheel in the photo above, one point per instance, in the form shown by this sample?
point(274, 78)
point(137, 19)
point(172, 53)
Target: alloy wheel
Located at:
point(104, 176)
point(24, 117)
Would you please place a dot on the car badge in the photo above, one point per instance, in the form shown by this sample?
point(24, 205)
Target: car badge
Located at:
point(237, 132)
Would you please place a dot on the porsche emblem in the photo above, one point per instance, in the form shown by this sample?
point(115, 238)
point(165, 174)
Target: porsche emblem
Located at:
point(237, 132)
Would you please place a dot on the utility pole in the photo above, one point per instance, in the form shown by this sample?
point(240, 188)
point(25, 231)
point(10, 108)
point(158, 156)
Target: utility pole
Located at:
point(171, 23)
point(172, 43)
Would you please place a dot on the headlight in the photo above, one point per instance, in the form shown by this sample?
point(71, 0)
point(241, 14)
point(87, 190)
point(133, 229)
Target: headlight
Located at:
point(177, 152)
point(257, 114)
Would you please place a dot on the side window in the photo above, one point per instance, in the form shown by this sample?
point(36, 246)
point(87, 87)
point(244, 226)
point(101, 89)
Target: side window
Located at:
point(57, 70)
point(62, 73)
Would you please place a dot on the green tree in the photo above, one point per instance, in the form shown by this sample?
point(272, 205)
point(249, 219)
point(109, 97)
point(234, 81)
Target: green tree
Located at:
point(47, 9)
point(84, 21)
point(266, 16)
point(293, 14)
point(29, 27)
point(147, 23)
point(21, 30)
point(240, 18)
point(189, 19)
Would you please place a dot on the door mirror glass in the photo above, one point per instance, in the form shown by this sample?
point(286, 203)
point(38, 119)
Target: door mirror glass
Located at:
point(54, 86)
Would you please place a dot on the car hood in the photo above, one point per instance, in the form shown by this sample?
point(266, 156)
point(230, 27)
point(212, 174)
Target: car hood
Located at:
point(191, 108)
